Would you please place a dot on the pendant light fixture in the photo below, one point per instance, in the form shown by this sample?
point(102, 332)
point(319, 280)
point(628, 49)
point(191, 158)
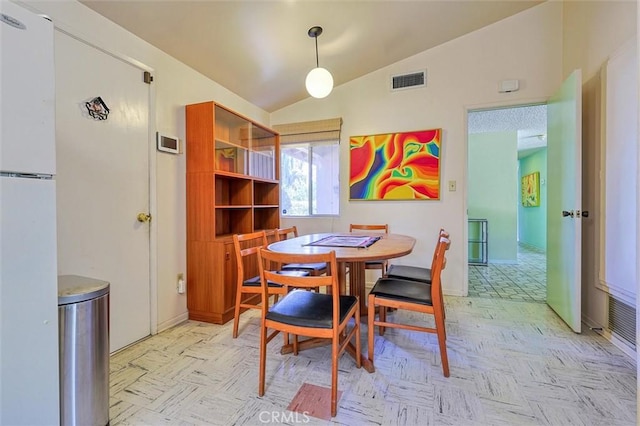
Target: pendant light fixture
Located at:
point(319, 81)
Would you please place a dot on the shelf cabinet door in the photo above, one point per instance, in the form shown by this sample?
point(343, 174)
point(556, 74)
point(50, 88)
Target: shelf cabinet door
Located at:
point(232, 159)
point(205, 270)
point(262, 162)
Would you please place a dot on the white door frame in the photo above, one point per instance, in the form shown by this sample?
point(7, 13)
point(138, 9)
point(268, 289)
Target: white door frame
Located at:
point(515, 103)
point(153, 233)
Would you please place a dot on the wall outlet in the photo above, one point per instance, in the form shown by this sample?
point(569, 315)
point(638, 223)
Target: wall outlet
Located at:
point(181, 283)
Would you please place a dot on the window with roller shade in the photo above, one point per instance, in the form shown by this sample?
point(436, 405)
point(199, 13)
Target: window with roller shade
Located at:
point(309, 168)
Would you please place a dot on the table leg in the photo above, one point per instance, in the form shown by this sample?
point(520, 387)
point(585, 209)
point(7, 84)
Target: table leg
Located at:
point(357, 277)
point(342, 277)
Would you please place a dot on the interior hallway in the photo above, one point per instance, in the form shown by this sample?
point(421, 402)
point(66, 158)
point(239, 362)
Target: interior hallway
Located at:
point(524, 281)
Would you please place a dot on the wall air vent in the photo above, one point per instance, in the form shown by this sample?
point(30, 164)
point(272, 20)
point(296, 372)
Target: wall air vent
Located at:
point(622, 321)
point(409, 81)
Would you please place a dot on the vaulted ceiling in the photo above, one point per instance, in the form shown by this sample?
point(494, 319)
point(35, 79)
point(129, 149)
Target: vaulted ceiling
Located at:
point(261, 51)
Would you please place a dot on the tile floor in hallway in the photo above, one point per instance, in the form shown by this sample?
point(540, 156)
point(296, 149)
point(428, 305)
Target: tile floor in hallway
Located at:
point(525, 281)
point(512, 363)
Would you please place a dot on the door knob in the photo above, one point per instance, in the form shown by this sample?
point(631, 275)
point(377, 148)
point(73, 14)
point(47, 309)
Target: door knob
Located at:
point(566, 213)
point(144, 217)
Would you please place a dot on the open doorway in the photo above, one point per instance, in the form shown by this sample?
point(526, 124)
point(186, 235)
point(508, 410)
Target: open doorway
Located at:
point(508, 259)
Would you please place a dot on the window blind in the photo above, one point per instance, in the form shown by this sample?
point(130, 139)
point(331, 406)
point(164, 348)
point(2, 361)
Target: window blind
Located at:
point(309, 131)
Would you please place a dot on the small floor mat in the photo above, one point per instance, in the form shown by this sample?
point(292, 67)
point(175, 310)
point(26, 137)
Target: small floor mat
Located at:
point(314, 401)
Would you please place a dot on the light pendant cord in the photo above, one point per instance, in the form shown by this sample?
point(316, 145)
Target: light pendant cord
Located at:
point(319, 81)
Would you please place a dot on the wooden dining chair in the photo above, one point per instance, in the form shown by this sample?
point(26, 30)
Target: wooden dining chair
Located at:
point(307, 313)
point(417, 273)
point(248, 273)
point(312, 268)
point(412, 296)
point(380, 265)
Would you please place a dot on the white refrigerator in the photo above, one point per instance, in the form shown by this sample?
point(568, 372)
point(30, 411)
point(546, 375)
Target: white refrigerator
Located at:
point(29, 383)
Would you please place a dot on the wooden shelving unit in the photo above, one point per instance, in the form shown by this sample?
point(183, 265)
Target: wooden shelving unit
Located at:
point(232, 187)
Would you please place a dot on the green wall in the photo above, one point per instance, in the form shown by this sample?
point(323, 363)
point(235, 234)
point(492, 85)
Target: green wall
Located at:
point(532, 221)
point(493, 190)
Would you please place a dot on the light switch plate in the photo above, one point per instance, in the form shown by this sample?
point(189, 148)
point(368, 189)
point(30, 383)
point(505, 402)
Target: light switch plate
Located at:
point(452, 185)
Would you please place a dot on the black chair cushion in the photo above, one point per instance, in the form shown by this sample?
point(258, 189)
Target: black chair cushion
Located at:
point(294, 273)
point(404, 290)
point(255, 281)
point(308, 309)
point(413, 273)
point(305, 266)
point(374, 263)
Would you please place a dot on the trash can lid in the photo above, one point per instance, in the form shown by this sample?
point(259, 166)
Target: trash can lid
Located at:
point(75, 289)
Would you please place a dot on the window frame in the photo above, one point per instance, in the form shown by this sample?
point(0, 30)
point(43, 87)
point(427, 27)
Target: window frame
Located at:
point(309, 146)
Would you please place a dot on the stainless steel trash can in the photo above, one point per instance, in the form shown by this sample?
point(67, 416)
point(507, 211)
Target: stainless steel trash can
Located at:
point(83, 329)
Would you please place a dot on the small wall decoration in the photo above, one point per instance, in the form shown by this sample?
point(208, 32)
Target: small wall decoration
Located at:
point(97, 109)
point(531, 190)
point(395, 166)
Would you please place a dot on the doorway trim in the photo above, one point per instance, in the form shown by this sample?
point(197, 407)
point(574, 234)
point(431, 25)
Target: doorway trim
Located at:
point(513, 103)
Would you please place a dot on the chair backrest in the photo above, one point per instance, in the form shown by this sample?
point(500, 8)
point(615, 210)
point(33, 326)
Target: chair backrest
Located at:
point(330, 280)
point(246, 248)
point(439, 263)
point(362, 227)
point(284, 233)
point(441, 233)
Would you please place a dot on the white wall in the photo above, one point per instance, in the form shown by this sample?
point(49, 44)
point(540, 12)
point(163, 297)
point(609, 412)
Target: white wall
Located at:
point(619, 162)
point(174, 86)
point(462, 74)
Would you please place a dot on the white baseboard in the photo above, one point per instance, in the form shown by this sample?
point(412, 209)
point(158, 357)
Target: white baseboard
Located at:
point(165, 325)
point(612, 338)
point(622, 345)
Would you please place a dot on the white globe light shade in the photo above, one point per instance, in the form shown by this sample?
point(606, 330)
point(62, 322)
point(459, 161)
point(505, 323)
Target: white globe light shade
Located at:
point(319, 82)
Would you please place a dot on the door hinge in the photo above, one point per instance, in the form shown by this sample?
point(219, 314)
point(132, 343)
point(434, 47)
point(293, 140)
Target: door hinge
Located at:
point(147, 77)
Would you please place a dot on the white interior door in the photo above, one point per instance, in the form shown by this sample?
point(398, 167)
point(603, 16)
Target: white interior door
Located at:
point(103, 181)
point(564, 194)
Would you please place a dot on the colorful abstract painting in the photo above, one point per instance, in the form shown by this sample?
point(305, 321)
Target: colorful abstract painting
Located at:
point(395, 166)
point(531, 190)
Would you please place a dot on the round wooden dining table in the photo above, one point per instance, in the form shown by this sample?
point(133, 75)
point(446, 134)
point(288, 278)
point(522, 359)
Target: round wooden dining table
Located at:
point(389, 246)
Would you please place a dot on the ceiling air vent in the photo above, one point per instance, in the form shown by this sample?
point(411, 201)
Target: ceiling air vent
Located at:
point(409, 81)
